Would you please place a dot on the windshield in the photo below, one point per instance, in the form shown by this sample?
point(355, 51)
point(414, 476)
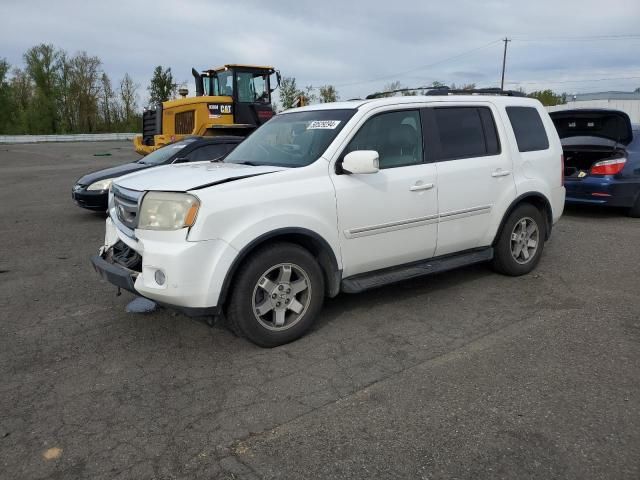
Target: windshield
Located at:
point(165, 153)
point(291, 139)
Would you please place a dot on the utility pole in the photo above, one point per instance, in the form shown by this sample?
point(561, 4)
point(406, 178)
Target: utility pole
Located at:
point(504, 61)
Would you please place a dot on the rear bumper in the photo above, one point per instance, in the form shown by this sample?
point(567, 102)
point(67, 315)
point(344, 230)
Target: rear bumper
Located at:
point(602, 190)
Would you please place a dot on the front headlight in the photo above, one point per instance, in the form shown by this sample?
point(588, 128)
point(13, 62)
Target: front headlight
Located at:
point(101, 184)
point(167, 211)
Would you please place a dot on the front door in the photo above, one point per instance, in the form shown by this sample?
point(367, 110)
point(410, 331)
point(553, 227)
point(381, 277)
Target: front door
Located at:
point(389, 217)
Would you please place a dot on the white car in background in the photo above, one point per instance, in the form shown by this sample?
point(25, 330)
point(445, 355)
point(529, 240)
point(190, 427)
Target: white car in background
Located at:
point(338, 197)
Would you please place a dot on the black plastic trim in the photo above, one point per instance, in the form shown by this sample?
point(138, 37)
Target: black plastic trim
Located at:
point(327, 258)
point(548, 214)
point(386, 276)
point(113, 274)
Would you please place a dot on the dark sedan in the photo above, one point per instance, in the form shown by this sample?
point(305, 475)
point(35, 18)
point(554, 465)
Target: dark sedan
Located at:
point(91, 191)
point(601, 158)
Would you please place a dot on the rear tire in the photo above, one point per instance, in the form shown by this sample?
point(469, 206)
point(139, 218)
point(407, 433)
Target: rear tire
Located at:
point(277, 293)
point(521, 241)
point(634, 211)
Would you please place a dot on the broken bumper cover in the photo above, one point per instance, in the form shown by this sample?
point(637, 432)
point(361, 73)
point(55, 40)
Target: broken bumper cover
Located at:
point(194, 272)
point(114, 274)
point(125, 279)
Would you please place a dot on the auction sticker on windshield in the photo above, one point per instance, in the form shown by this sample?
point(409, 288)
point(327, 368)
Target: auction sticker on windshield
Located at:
point(323, 124)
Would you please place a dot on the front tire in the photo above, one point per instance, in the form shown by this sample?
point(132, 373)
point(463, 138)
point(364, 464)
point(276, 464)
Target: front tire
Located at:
point(521, 241)
point(277, 293)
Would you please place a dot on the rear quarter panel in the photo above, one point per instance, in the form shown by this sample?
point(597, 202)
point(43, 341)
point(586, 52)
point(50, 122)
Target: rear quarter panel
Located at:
point(538, 171)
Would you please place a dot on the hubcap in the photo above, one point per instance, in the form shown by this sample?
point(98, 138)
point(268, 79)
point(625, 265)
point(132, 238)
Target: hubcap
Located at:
point(281, 296)
point(525, 237)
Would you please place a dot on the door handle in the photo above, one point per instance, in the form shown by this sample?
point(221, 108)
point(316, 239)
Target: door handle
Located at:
point(500, 173)
point(424, 186)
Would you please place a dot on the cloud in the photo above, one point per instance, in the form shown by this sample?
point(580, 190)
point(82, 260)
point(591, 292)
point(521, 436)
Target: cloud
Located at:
point(358, 46)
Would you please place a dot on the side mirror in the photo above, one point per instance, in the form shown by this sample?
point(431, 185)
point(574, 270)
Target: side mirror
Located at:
point(361, 161)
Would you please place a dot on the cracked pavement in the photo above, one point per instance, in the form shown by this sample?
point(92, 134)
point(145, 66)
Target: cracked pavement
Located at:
point(464, 375)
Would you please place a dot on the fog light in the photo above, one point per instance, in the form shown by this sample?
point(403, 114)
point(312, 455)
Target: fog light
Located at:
point(160, 277)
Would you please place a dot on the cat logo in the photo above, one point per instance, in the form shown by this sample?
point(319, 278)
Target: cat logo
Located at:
point(216, 109)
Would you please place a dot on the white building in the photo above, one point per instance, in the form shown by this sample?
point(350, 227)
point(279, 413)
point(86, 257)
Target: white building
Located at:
point(628, 102)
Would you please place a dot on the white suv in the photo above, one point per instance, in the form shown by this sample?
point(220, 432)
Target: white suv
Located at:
point(338, 197)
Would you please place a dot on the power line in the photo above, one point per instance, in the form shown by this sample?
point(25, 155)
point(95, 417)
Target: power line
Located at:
point(577, 38)
point(582, 80)
point(398, 74)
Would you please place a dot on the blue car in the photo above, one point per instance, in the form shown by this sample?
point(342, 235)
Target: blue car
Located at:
point(601, 158)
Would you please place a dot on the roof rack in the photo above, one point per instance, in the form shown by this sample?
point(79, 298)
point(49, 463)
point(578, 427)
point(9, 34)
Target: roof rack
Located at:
point(476, 91)
point(444, 90)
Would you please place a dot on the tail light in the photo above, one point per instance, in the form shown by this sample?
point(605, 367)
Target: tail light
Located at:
point(608, 167)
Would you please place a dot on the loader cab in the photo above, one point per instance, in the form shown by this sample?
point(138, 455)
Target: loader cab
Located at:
point(250, 88)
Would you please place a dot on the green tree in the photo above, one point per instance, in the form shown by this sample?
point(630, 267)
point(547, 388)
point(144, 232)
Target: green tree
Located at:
point(84, 90)
point(328, 94)
point(6, 107)
point(108, 105)
point(21, 91)
point(289, 92)
point(128, 94)
point(162, 86)
point(43, 66)
point(547, 97)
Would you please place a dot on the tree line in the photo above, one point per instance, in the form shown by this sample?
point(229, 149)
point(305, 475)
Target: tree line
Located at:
point(55, 92)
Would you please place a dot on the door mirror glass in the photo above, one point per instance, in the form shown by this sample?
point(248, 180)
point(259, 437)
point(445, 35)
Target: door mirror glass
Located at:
point(361, 162)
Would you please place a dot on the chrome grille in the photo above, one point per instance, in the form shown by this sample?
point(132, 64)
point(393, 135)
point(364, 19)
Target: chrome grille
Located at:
point(125, 208)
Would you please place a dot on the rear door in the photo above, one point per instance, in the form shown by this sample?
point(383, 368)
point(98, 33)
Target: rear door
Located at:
point(474, 173)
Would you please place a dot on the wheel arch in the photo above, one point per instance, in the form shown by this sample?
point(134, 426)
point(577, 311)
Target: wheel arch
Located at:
point(307, 239)
point(536, 199)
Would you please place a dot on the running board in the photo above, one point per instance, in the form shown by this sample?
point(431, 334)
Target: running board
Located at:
point(378, 278)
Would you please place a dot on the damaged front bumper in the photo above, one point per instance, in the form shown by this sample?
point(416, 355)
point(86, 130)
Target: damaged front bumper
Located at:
point(192, 272)
point(114, 274)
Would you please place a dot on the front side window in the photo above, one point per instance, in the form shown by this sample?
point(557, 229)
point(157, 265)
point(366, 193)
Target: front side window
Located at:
point(252, 87)
point(224, 83)
point(396, 136)
point(291, 139)
point(528, 129)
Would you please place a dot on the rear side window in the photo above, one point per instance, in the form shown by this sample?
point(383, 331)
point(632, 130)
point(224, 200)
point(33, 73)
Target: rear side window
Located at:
point(466, 132)
point(210, 152)
point(528, 128)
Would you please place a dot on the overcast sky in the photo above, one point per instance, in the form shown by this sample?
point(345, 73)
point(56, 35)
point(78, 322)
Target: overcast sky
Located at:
point(359, 46)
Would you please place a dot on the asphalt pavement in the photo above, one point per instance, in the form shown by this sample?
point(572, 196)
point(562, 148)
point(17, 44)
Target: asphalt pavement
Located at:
point(463, 375)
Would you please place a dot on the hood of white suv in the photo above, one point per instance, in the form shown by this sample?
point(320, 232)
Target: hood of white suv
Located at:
point(189, 176)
